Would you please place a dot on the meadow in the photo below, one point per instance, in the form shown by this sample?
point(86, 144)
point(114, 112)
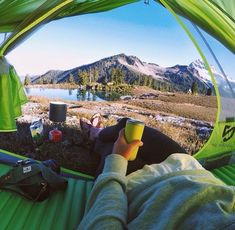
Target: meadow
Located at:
point(182, 117)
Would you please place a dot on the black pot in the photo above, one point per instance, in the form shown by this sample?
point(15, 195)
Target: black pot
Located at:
point(57, 112)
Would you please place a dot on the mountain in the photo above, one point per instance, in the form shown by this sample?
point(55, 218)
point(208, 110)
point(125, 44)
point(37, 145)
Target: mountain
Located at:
point(226, 85)
point(178, 77)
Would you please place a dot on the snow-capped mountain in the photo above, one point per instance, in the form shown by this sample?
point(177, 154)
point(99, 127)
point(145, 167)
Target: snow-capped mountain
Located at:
point(135, 64)
point(202, 72)
point(225, 84)
point(180, 77)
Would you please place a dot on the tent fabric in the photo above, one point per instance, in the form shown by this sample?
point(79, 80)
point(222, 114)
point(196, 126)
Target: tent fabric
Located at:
point(227, 6)
point(221, 141)
point(63, 210)
point(10, 158)
point(23, 24)
point(214, 16)
point(13, 13)
point(22, 17)
point(12, 96)
point(226, 174)
point(222, 138)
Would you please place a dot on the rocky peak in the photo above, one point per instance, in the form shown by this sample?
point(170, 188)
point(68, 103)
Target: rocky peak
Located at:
point(197, 64)
point(178, 76)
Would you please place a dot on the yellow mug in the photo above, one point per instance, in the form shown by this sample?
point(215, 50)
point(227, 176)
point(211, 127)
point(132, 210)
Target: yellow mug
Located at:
point(133, 131)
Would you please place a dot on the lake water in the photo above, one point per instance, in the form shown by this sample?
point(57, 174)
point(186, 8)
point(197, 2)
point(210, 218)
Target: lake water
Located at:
point(73, 94)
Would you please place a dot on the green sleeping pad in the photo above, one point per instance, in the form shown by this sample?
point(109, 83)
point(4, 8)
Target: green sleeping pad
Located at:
point(63, 210)
point(226, 174)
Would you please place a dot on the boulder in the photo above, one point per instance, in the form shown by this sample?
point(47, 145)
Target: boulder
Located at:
point(126, 97)
point(148, 96)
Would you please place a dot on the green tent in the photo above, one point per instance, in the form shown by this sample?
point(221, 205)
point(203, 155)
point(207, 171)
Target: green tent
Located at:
point(19, 18)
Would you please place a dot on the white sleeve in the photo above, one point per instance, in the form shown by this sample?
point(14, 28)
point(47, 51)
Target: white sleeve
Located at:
point(107, 204)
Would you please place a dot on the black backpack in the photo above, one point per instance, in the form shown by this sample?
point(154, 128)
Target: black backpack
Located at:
point(35, 181)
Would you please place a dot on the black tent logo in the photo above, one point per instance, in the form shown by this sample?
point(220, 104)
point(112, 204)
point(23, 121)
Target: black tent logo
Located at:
point(228, 132)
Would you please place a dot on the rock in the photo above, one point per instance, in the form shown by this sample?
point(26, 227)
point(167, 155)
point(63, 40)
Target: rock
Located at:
point(66, 143)
point(145, 113)
point(148, 96)
point(203, 132)
point(126, 97)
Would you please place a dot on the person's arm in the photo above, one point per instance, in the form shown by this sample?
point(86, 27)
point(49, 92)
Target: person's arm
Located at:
point(107, 204)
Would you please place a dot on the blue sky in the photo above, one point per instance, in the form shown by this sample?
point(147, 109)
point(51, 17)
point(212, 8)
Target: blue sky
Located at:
point(149, 32)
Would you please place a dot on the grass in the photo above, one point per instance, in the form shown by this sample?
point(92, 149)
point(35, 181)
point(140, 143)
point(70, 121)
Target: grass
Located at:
point(192, 111)
point(74, 151)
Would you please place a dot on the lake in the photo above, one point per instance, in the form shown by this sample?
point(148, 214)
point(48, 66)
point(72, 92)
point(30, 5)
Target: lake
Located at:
point(73, 94)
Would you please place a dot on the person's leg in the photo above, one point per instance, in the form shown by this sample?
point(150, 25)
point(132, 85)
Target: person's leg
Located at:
point(157, 146)
point(105, 148)
point(103, 145)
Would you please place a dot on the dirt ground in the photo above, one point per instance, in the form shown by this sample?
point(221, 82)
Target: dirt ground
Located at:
point(182, 111)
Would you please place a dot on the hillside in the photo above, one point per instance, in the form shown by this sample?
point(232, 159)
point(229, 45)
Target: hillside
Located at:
point(132, 70)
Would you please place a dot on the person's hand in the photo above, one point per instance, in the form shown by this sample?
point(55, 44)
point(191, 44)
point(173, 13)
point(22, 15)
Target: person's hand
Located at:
point(121, 147)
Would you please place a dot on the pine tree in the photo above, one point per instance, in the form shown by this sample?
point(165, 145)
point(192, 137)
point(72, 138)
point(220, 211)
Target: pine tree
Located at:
point(150, 80)
point(40, 81)
point(105, 78)
point(90, 75)
point(96, 75)
point(209, 92)
point(194, 88)
point(135, 82)
point(139, 80)
point(119, 76)
point(27, 80)
point(45, 81)
point(113, 75)
point(145, 80)
point(83, 78)
point(71, 79)
point(153, 84)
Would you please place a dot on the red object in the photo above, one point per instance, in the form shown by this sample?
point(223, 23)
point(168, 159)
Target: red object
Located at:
point(55, 135)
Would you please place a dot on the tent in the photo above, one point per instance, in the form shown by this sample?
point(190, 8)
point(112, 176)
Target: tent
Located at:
point(19, 18)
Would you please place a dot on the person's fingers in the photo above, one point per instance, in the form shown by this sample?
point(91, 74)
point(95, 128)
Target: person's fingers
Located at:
point(121, 132)
point(122, 135)
point(136, 143)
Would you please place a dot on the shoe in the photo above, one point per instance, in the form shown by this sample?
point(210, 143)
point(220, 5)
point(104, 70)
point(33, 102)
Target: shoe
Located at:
point(96, 120)
point(85, 125)
point(94, 133)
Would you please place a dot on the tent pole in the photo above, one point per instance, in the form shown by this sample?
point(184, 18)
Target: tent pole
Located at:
point(215, 58)
point(5, 37)
point(17, 36)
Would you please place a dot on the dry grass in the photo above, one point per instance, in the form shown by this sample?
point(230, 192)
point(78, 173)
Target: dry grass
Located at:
point(192, 111)
point(185, 136)
point(74, 151)
point(181, 98)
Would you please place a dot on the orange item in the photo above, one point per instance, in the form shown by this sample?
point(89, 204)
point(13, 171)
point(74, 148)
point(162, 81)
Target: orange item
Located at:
point(55, 135)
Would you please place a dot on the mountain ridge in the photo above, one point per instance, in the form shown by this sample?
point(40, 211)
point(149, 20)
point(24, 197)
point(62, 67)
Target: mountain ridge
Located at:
point(178, 77)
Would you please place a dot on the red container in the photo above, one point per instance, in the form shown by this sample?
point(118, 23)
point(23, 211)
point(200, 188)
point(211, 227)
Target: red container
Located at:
point(55, 135)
